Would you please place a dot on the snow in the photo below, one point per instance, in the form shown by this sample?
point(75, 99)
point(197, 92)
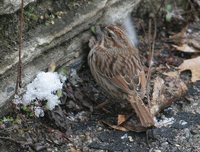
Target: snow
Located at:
point(183, 122)
point(17, 99)
point(125, 136)
point(39, 112)
point(44, 87)
point(164, 122)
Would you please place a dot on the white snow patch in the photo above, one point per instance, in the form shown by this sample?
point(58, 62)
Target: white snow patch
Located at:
point(44, 87)
point(164, 122)
point(17, 99)
point(124, 136)
point(182, 122)
point(39, 112)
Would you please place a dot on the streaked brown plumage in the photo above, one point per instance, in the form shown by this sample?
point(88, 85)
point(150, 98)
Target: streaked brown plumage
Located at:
point(115, 65)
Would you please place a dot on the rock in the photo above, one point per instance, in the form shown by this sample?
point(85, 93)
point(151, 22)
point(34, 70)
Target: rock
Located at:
point(157, 150)
point(65, 42)
point(11, 6)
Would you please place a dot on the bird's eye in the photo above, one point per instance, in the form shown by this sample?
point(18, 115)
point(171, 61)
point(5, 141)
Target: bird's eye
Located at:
point(109, 34)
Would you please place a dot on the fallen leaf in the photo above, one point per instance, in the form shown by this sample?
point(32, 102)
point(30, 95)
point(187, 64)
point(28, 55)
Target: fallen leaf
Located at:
point(158, 85)
point(157, 96)
point(186, 42)
point(172, 73)
point(126, 127)
point(186, 48)
point(115, 126)
point(72, 149)
point(179, 38)
point(190, 64)
point(121, 119)
point(193, 65)
point(165, 92)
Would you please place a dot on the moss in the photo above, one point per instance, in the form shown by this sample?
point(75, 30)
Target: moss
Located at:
point(31, 16)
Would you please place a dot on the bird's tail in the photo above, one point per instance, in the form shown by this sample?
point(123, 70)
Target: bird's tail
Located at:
point(145, 116)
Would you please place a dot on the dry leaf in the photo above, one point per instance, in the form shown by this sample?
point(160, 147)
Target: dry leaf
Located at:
point(157, 96)
point(115, 126)
point(172, 73)
point(127, 127)
point(186, 48)
point(180, 37)
point(72, 149)
point(193, 65)
point(121, 119)
point(158, 85)
point(186, 42)
point(166, 92)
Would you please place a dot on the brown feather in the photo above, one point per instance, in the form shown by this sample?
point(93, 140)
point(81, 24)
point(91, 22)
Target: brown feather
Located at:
point(116, 66)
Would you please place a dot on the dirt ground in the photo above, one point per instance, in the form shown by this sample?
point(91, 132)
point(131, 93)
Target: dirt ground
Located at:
point(78, 124)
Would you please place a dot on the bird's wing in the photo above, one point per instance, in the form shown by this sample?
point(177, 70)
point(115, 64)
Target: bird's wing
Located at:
point(121, 69)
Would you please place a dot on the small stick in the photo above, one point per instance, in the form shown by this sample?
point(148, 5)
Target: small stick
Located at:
point(101, 105)
point(152, 46)
point(161, 5)
point(151, 50)
point(19, 70)
point(15, 141)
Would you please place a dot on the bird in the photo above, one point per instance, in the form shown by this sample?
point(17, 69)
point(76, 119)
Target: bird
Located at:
point(116, 66)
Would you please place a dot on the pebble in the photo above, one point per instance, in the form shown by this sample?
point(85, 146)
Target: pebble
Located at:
point(182, 122)
point(157, 150)
point(187, 133)
point(124, 136)
point(130, 138)
point(164, 144)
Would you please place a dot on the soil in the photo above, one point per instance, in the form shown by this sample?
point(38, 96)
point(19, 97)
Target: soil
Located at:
point(78, 123)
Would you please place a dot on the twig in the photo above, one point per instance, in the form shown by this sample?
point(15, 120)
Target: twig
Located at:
point(149, 62)
point(19, 70)
point(151, 50)
point(161, 5)
point(151, 44)
point(190, 3)
point(15, 141)
point(101, 105)
point(145, 33)
point(149, 36)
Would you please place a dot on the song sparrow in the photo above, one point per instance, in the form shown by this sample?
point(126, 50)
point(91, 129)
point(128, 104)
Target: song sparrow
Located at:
point(115, 65)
